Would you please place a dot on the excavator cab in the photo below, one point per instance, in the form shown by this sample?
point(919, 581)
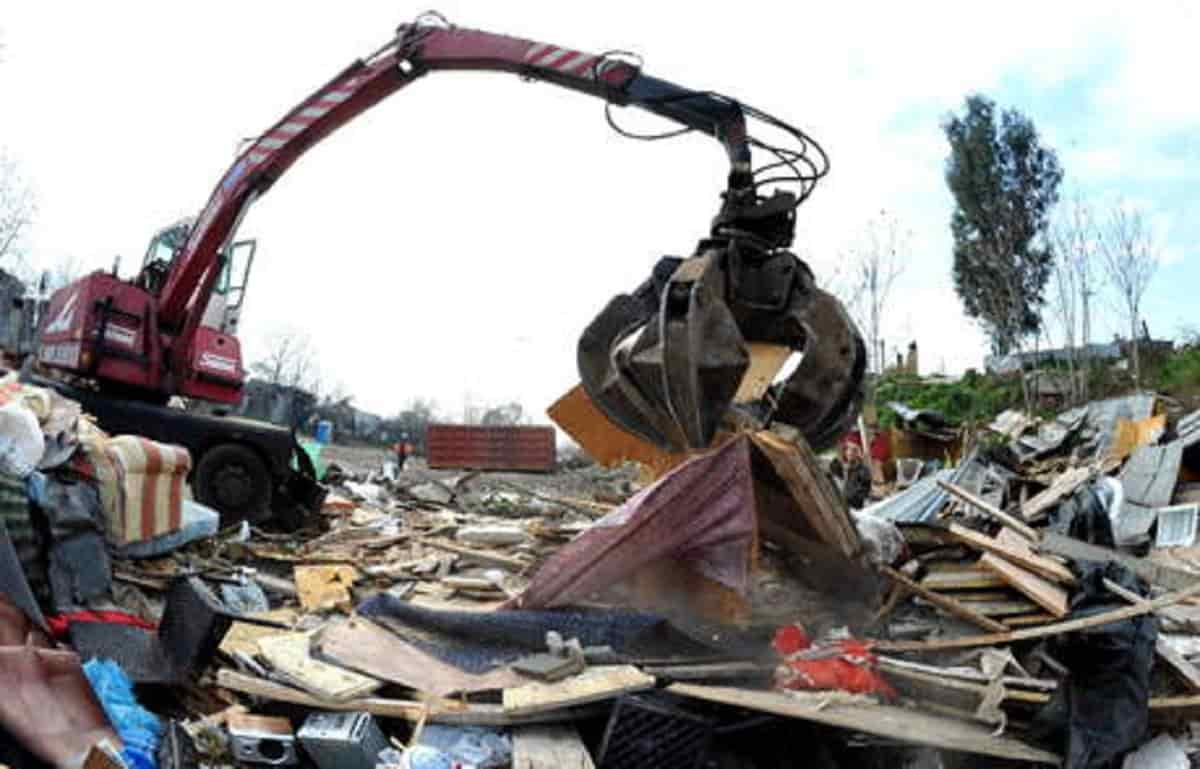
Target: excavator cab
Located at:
point(224, 306)
point(160, 255)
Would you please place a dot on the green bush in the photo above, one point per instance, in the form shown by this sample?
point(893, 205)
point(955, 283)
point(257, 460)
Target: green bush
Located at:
point(973, 398)
point(1178, 373)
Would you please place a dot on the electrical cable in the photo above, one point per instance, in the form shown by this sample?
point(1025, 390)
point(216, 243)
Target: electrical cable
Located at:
point(805, 164)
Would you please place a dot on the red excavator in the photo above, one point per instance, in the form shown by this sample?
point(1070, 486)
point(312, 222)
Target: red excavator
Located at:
point(663, 362)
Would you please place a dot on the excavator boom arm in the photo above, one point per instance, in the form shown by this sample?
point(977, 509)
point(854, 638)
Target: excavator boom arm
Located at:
point(664, 362)
point(416, 50)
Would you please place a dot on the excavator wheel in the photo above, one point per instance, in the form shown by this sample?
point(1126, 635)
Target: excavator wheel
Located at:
point(232, 479)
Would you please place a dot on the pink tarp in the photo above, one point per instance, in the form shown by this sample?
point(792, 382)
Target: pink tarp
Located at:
point(701, 514)
point(48, 704)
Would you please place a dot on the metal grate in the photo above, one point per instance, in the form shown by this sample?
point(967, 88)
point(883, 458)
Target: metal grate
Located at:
point(648, 731)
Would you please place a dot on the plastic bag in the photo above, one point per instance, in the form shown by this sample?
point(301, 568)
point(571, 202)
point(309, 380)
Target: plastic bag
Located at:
point(21, 440)
point(1102, 709)
point(846, 665)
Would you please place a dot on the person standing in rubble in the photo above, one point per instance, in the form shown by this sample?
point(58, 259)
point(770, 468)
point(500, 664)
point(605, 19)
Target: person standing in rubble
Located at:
point(401, 450)
point(857, 486)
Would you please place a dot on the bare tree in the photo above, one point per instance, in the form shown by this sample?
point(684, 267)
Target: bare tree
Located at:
point(1075, 242)
point(1130, 260)
point(290, 361)
point(506, 414)
point(413, 419)
point(16, 209)
point(875, 263)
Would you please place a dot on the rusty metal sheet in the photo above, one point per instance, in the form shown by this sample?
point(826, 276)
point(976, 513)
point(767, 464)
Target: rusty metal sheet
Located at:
point(482, 447)
point(700, 515)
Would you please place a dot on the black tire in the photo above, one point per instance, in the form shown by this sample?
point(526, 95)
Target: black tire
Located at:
point(233, 480)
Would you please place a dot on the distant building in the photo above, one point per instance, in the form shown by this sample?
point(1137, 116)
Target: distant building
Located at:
point(1112, 352)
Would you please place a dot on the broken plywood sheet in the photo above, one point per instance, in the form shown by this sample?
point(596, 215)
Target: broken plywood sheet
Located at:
point(289, 656)
point(322, 588)
point(363, 646)
point(912, 726)
point(593, 685)
point(1037, 589)
point(578, 416)
point(1150, 475)
point(549, 746)
point(243, 636)
point(766, 361)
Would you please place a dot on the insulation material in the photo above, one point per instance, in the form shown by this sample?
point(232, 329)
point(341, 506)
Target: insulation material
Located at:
point(701, 515)
point(151, 487)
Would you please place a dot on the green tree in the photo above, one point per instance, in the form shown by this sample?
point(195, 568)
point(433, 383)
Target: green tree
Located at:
point(1004, 184)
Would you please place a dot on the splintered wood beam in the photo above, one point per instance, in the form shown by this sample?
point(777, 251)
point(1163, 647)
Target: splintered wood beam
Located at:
point(1044, 631)
point(1040, 565)
point(1008, 520)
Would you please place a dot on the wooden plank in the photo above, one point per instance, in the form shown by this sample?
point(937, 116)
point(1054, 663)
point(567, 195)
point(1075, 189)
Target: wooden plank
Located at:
point(904, 724)
point(1056, 628)
point(1008, 520)
point(977, 689)
point(1001, 608)
point(889, 664)
point(1154, 573)
point(482, 556)
point(592, 685)
point(944, 603)
point(972, 579)
point(549, 746)
point(363, 646)
point(288, 655)
point(442, 712)
point(1025, 620)
point(1041, 591)
point(1064, 485)
point(1051, 570)
point(1178, 615)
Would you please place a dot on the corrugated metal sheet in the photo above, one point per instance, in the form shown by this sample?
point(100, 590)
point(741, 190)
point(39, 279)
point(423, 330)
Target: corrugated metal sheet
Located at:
point(922, 501)
point(1188, 429)
point(480, 447)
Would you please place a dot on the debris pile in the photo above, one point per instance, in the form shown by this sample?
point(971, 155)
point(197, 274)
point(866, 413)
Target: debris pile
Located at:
point(1033, 601)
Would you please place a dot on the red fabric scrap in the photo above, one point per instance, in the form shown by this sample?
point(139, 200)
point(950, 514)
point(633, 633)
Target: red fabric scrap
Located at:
point(60, 623)
point(846, 665)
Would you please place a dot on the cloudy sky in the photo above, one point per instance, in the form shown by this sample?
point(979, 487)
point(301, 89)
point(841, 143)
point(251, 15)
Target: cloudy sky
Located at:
point(452, 242)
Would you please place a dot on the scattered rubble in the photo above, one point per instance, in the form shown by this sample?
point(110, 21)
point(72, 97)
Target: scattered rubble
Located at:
point(1036, 601)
